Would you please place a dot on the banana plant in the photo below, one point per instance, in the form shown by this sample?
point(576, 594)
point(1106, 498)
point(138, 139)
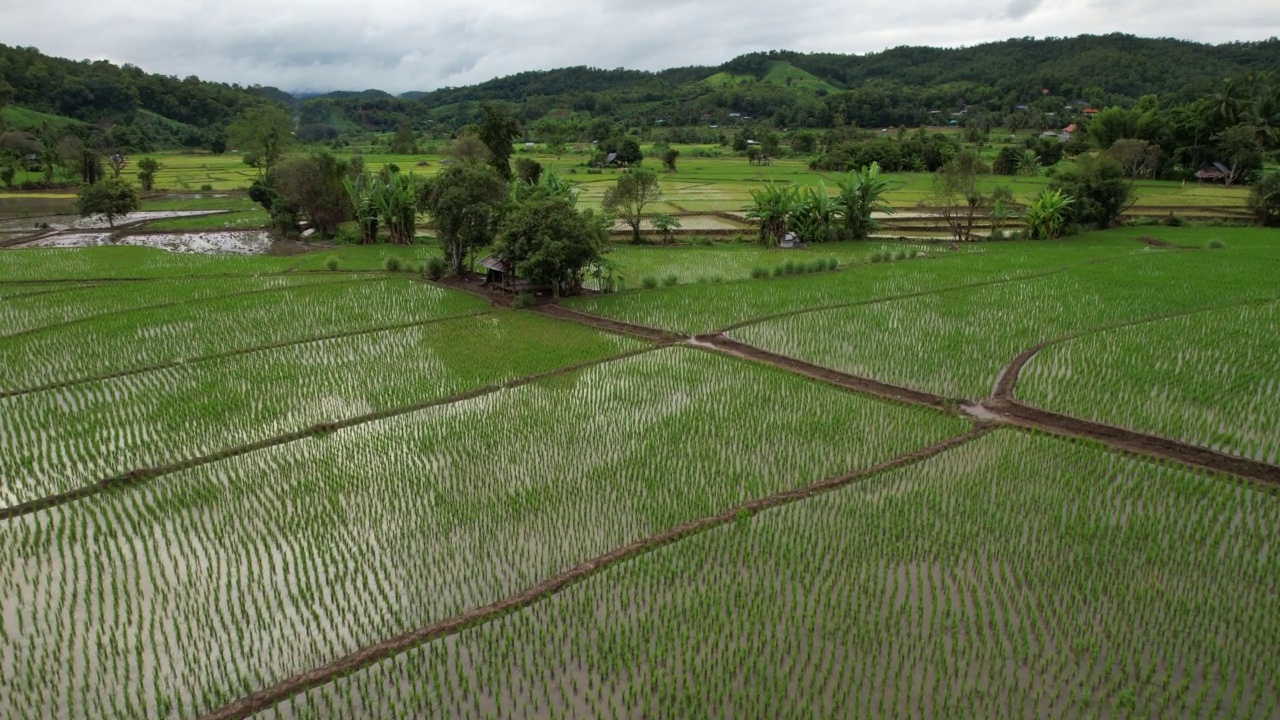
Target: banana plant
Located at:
point(773, 209)
point(1047, 216)
point(362, 192)
point(860, 197)
point(396, 201)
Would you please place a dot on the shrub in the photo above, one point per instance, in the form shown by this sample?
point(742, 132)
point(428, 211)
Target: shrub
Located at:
point(435, 267)
point(899, 255)
point(331, 263)
point(523, 301)
point(817, 266)
point(1172, 221)
point(1216, 245)
point(759, 272)
point(832, 263)
point(789, 267)
point(670, 280)
point(649, 282)
point(778, 271)
point(206, 188)
point(392, 264)
point(877, 257)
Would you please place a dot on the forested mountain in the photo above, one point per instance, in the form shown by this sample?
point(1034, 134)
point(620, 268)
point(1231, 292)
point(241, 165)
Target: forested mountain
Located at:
point(893, 87)
point(902, 86)
point(142, 109)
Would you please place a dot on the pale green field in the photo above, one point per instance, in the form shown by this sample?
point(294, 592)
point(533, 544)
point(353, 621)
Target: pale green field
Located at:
point(701, 184)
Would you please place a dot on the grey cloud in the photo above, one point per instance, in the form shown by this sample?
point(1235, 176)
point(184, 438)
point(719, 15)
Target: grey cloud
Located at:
point(400, 45)
point(1019, 9)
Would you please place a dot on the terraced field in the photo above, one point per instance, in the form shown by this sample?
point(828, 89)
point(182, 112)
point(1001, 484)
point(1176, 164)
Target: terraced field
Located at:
point(1010, 480)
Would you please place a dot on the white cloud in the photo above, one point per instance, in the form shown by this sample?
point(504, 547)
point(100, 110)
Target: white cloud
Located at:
point(400, 45)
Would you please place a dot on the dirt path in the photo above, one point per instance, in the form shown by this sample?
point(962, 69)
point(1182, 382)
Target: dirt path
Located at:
point(269, 697)
point(1025, 416)
point(824, 374)
point(234, 353)
point(1007, 382)
point(150, 473)
point(643, 332)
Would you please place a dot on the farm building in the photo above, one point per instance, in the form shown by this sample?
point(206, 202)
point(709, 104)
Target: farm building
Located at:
point(496, 270)
point(1217, 172)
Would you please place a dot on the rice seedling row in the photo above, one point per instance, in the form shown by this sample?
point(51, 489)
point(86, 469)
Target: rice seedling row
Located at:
point(1211, 379)
point(58, 440)
point(175, 596)
point(955, 343)
point(148, 337)
point(24, 314)
point(1015, 576)
point(126, 261)
point(705, 308)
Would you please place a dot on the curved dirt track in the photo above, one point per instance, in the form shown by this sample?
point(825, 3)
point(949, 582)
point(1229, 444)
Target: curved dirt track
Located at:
point(138, 475)
point(269, 697)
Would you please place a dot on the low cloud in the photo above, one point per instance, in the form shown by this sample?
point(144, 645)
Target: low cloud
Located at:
point(400, 45)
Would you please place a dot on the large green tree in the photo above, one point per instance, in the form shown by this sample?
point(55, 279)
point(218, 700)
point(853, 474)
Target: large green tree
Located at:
point(1098, 189)
point(312, 187)
point(263, 133)
point(499, 130)
point(465, 203)
point(628, 198)
point(548, 241)
point(110, 198)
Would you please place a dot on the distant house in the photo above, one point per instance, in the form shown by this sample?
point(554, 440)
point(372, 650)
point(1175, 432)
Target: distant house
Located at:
point(496, 270)
point(528, 146)
point(1071, 129)
point(789, 241)
point(1217, 172)
point(1090, 112)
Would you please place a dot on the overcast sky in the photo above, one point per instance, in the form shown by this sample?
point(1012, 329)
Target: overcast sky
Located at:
point(399, 45)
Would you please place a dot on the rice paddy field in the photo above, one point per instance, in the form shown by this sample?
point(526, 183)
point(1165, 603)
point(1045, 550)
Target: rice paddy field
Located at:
point(304, 486)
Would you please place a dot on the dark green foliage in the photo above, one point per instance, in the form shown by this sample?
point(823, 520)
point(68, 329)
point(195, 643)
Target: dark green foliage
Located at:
point(528, 171)
point(549, 242)
point(111, 198)
point(1098, 188)
point(466, 203)
point(1264, 200)
point(147, 169)
point(392, 264)
point(1007, 161)
point(331, 264)
point(498, 131)
point(405, 141)
point(523, 301)
point(649, 282)
point(311, 187)
point(435, 267)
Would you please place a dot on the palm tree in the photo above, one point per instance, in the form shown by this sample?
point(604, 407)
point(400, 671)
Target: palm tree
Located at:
point(860, 198)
